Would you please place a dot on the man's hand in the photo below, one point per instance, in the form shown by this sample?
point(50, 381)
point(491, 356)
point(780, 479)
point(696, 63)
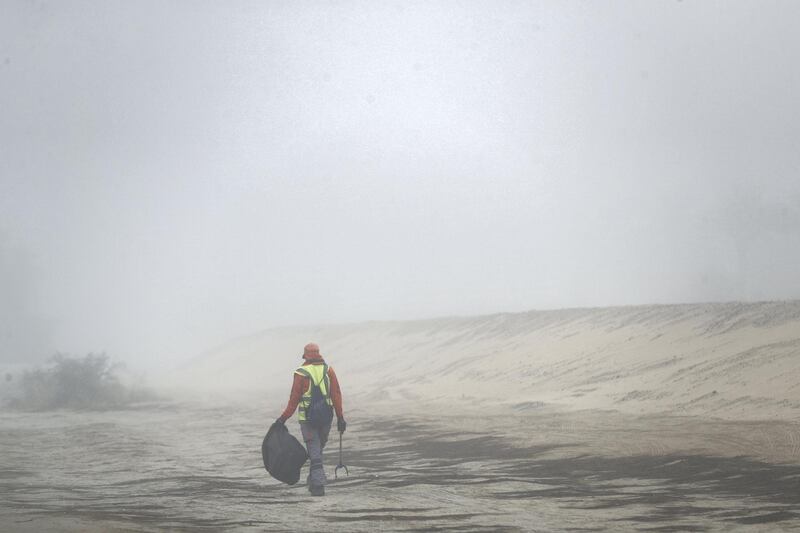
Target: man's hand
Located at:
point(280, 420)
point(341, 425)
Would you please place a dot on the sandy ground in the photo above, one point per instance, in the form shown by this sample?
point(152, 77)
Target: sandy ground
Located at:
point(738, 361)
point(197, 466)
point(652, 418)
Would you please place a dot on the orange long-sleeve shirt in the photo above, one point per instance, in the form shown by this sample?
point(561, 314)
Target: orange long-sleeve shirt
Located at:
point(301, 384)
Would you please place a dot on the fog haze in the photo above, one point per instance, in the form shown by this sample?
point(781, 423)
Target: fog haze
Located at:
point(176, 174)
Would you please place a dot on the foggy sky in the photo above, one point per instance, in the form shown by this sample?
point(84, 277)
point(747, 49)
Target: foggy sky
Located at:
point(174, 174)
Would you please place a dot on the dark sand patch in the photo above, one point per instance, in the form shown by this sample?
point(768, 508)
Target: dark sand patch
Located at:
point(406, 474)
point(662, 483)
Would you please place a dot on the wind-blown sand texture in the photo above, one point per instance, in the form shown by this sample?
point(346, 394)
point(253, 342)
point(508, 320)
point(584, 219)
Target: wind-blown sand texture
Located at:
point(195, 467)
point(737, 361)
point(657, 418)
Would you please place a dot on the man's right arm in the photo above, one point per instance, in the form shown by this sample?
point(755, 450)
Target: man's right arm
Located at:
point(294, 397)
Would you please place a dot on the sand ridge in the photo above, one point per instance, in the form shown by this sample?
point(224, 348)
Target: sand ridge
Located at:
point(737, 361)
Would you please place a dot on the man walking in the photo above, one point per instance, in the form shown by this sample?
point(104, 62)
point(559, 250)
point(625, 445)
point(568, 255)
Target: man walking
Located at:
point(314, 383)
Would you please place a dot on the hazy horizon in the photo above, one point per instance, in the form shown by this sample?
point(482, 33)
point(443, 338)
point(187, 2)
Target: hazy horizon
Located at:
point(177, 175)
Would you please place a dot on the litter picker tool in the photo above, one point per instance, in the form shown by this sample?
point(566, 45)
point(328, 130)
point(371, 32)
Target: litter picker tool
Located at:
point(341, 464)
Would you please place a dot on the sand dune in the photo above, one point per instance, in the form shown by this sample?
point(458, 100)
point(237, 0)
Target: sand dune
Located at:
point(549, 431)
point(727, 360)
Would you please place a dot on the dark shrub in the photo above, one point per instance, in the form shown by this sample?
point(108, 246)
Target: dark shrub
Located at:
point(74, 383)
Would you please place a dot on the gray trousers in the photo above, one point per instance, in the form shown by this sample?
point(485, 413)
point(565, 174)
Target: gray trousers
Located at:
point(315, 439)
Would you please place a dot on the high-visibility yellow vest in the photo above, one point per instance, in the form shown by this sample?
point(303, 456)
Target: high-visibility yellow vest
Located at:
point(318, 374)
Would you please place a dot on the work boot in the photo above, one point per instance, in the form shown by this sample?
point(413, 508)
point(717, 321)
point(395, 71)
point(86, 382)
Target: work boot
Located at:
point(317, 490)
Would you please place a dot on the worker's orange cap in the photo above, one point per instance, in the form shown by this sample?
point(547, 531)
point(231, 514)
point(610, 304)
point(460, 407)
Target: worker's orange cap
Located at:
point(311, 351)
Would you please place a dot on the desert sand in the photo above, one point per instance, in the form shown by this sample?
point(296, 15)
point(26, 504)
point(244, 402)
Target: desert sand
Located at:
point(734, 361)
point(657, 418)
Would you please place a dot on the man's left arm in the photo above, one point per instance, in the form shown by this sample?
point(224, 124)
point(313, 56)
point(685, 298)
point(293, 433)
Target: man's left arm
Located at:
point(336, 398)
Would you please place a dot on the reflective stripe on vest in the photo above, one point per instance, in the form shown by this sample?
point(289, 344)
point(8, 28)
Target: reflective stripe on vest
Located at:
point(318, 374)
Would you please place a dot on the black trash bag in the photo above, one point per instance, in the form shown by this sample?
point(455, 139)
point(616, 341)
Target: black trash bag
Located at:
point(283, 454)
